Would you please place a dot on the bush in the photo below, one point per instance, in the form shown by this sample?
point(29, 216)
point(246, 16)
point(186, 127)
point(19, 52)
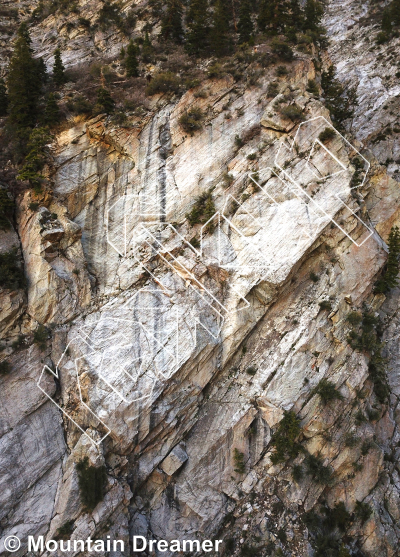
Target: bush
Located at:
point(252, 370)
point(297, 473)
point(351, 440)
point(292, 112)
point(325, 305)
point(363, 511)
point(65, 530)
point(327, 391)
point(4, 367)
point(339, 516)
point(326, 135)
point(92, 482)
point(229, 545)
point(228, 179)
point(312, 87)
point(80, 105)
point(165, 82)
point(272, 89)
point(6, 209)
point(314, 277)
point(191, 120)
point(284, 439)
point(215, 70)
point(11, 274)
point(282, 49)
point(202, 210)
point(281, 71)
point(354, 318)
point(40, 337)
point(281, 535)
point(320, 473)
point(238, 459)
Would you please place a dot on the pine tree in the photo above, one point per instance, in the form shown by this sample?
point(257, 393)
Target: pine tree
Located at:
point(131, 64)
point(105, 100)
point(390, 277)
point(3, 98)
point(340, 103)
point(198, 30)
point(52, 112)
point(395, 9)
point(171, 25)
point(387, 20)
point(24, 85)
point(147, 49)
point(313, 12)
point(59, 77)
point(35, 159)
point(296, 18)
point(221, 41)
point(245, 23)
point(42, 70)
point(273, 15)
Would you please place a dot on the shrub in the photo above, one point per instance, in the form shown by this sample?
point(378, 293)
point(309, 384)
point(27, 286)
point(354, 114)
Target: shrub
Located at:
point(215, 70)
point(252, 370)
point(248, 551)
point(382, 37)
point(354, 318)
point(314, 277)
point(282, 49)
point(284, 439)
point(92, 481)
point(326, 135)
point(238, 459)
point(4, 367)
point(339, 516)
point(312, 87)
point(320, 473)
point(202, 210)
point(389, 279)
point(252, 157)
point(351, 440)
point(6, 208)
point(40, 336)
point(11, 274)
point(272, 89)
point(80, 105)
point(229, 545)
point(366, 446)
point(191, 120)
point(281, 71)
point(327, 391)
point(105, 101)
point(281, 535)
point(228, 179)
point(325, 305)
point(360, 417)
point(165, 82)
point(373, 415)
point(363, 511)
point(297, 473)
point(292, 112)
point(65, 530)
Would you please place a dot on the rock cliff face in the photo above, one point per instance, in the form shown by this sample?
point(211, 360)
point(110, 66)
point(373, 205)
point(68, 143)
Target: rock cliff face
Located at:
point(236, 322)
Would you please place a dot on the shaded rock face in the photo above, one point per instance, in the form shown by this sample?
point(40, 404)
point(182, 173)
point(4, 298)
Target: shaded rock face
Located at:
point(253, 334)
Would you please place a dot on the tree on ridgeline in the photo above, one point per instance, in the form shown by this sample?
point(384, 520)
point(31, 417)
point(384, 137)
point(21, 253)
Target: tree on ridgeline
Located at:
point(24, 88)
point(221, 37)
point(59, 76)
point(3, 98)
point(171, 24)
point(131, 62)
point(198, 29)
point(245, 24)
point(313, 13)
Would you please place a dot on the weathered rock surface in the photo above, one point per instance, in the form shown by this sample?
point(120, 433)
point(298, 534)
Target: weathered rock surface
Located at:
point(251, 339)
